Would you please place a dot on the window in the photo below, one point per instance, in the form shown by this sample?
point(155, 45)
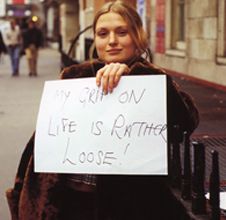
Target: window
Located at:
point(175, 20)
point(221, 39)
point(178, 24)
point(224, 29)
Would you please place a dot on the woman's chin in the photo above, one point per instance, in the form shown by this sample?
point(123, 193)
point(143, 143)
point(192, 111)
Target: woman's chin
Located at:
point(116, 60)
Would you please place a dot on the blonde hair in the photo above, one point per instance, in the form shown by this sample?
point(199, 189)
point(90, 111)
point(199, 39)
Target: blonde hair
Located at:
point(133, 20)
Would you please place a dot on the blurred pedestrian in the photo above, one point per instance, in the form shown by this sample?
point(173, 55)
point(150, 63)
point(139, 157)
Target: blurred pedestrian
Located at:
point(13, 42)
point(2, 45)
point(32, 40)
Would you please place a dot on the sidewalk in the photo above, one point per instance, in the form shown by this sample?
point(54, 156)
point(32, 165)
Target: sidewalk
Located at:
point(20, 98)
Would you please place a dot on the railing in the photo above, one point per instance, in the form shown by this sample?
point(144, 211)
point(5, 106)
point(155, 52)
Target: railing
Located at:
point(187, 180)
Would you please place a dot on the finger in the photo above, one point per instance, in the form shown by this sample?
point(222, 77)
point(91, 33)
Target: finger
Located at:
point(99, 75)
point(109, 76)
point(123, 70)
point(112, 74)
point(105, 78)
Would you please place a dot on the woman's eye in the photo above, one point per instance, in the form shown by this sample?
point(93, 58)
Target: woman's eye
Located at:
point(122, 32)
point(102, 33)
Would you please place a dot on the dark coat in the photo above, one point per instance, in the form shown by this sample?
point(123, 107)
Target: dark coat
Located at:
point(32, 36)
point(37, 196)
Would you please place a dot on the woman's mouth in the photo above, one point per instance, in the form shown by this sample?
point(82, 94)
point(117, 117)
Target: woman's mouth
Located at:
point(114, 51)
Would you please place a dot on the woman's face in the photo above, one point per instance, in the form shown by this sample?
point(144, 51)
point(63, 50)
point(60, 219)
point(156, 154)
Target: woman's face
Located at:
point(112, 39)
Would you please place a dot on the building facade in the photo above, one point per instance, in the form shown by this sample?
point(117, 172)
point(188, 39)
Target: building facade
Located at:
point(189, 37)
point(186, 36)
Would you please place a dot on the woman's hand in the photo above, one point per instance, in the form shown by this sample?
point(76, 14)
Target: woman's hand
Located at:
point(109, 76)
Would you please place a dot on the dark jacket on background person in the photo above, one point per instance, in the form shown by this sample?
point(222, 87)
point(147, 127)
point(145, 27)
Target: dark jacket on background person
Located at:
point(38, 196)
point(32, 36)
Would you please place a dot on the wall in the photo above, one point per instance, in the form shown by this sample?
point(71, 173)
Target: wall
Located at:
point(199, 59)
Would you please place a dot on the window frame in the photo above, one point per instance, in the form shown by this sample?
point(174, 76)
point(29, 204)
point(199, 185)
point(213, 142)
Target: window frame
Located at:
point(175, 40)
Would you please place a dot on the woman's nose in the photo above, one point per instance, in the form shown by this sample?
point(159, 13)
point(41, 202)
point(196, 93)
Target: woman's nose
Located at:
point(112, 38)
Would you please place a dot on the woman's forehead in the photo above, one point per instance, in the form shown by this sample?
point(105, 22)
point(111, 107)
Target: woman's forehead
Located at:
point(110, 19)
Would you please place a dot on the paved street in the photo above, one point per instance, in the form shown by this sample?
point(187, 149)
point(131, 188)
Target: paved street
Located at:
point(20, 97)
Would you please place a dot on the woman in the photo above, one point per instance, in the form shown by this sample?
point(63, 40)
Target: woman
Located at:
point(120, 42)
point(13, 42)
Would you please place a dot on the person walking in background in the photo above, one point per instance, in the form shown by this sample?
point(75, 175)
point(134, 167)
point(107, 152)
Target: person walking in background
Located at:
point(13, 42)
point(32, 40)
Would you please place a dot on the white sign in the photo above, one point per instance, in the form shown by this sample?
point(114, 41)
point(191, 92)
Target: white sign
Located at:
point(81, 130)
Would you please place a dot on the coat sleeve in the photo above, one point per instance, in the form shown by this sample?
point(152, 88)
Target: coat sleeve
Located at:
point(34, 195)
point(13, 194)
point(85, 69)
point(182, 111)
